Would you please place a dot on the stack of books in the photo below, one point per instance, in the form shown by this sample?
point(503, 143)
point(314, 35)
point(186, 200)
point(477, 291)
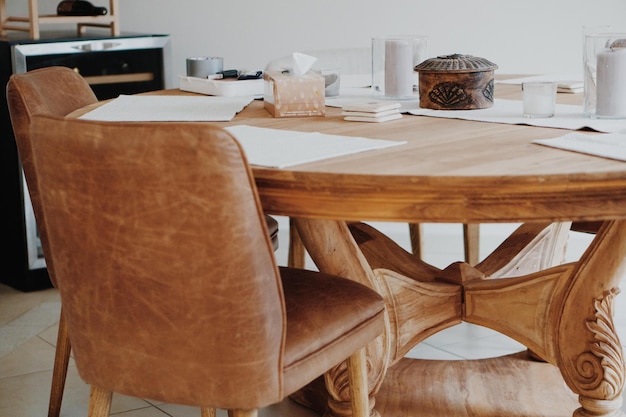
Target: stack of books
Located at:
point(372, 111)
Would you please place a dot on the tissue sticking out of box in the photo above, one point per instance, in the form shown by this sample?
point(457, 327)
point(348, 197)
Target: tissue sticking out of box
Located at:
point(302, 63)
point(297, 64)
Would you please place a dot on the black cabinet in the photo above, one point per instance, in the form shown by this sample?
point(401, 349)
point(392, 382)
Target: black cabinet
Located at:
point(125, 64)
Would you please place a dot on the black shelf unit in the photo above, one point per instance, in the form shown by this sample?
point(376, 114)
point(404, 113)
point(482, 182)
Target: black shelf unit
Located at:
point(113, 65)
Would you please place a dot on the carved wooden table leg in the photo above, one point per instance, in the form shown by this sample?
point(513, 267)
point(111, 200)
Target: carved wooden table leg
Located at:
point(564, 314)
point(588, 350)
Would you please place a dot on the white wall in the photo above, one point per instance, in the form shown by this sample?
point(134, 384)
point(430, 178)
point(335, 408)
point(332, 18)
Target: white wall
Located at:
point(531, 36)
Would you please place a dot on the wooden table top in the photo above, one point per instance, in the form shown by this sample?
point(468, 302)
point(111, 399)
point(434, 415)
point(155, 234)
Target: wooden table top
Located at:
point(449, 171)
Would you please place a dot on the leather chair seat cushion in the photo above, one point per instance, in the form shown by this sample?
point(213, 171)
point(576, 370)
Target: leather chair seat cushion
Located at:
point(306, 345)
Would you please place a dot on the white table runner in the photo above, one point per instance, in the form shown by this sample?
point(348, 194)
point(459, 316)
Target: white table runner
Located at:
point(566, 116)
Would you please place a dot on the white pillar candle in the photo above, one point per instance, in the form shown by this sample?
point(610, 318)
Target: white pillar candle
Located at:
point(399, 68)
point(611, 83)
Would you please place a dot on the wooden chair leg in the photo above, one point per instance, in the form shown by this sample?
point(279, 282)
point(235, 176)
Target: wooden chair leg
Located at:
point(99, 402)
point(359, 392)
point(208, 412)
point(243, 413)
point(297, 253)
point(59, 372)
point(415, 234)
point(471, 242)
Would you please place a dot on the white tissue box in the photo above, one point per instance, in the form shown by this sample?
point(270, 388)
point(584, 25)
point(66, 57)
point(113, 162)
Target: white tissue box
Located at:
point(287, 95)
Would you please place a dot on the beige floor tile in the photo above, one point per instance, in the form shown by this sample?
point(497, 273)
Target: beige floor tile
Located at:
point(25, 395)
point(486, 347)
point(34, 355)
point(28, 325)
point(49, 334)
point(459, 334)
point(424, 351)
point(286, 408)
point(146, 412)
point(28, 394)
point(15, 303)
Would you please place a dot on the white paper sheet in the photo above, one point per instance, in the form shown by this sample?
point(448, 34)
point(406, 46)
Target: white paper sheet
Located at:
point(612, 146)
point(148, 108)
point(566, 116)
point(277, 148)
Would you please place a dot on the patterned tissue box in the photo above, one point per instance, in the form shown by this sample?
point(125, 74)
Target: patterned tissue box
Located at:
point(287, 95)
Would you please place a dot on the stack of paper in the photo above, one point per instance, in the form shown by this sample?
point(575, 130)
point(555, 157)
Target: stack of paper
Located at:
point(372, 111)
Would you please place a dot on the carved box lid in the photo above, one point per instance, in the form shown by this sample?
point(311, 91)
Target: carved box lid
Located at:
point(456, 63)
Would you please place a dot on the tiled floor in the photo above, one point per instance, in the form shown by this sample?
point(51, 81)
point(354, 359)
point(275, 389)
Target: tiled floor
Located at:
point(28, 325)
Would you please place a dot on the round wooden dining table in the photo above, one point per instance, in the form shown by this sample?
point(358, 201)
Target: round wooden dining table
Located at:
point(460, 171)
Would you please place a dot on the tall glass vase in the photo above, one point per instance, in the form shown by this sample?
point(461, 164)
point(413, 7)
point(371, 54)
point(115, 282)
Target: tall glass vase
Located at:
point(604, 70)
point(393, 65)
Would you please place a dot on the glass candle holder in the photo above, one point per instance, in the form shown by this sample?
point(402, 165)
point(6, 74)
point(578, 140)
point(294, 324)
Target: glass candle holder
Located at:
point(393, 65)
point(332, 80)
point(604, 69)
point(539, 99)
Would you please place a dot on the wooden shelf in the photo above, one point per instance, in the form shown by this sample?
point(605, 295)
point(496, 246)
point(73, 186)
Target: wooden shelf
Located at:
point(33, 22)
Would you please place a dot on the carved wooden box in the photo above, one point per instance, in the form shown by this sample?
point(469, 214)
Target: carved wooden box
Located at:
point(456, 82)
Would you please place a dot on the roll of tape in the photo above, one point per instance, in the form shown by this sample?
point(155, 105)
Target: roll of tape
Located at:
point(203, 66)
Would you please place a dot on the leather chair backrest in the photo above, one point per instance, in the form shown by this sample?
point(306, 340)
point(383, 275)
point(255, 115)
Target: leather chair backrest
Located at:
point(55, 91)
point(132, 211)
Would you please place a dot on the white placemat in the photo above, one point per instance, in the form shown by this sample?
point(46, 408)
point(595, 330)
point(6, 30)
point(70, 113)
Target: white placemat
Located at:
point(276, 148)
point(158, 108)
point(566, 116)
point(612, 145)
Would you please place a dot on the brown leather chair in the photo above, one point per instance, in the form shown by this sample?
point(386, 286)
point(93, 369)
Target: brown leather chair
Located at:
point(155, 306)
point(55, 91)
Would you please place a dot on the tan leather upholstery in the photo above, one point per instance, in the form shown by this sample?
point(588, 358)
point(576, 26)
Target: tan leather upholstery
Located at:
point(156, 307)
point(55, 91)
